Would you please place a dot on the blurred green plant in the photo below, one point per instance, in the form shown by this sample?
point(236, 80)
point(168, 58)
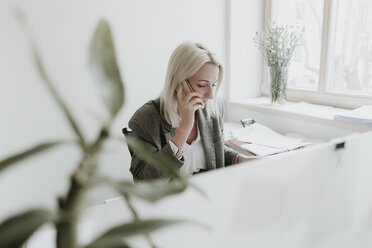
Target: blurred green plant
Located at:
point(16, 230)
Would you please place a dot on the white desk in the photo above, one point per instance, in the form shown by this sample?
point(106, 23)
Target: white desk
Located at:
point(316, 197)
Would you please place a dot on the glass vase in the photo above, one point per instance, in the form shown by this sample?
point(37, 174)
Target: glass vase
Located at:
point(278, 84)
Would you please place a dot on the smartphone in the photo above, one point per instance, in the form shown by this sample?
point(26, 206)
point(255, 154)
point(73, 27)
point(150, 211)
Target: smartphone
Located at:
point(186, 88)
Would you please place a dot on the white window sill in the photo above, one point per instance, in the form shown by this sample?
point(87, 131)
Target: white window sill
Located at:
point(300, 110)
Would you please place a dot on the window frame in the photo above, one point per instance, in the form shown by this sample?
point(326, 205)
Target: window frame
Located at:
point(322, 95)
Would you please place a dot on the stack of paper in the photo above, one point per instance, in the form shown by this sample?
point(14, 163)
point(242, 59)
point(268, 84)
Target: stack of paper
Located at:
point(261, 140)
point(362, 115)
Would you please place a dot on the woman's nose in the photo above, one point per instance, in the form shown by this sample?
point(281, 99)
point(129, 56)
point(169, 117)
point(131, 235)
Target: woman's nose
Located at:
point(210, 92)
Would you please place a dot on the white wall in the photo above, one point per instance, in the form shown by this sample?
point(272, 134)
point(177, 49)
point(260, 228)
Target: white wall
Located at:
point(145, 33)
point(246, 18)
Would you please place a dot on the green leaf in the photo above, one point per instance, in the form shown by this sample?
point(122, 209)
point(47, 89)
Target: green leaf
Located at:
point(5, 163)
point(57, 98)
point(158, 160)
point(105, 68)
point(19, 15)
point(139, 227)
point(151, 191)
point(17, 229)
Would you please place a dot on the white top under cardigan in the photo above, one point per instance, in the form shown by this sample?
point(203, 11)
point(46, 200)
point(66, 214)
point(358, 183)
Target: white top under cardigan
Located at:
point(193, 155)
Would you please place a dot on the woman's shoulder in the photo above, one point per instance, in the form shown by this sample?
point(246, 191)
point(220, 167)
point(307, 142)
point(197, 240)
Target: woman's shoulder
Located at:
point(220, 108)
point(148, 111)
point(220, 103)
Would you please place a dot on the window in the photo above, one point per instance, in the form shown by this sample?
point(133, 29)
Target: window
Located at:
point(304, 68)
point(352, 60)
point(334, 65)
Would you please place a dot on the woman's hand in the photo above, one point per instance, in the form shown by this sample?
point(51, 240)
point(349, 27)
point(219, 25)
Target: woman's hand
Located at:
point(241, 158)
point(187, 105)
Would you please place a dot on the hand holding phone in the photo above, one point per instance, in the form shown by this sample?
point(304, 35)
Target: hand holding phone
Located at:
point(186, 87)
point(188, 102)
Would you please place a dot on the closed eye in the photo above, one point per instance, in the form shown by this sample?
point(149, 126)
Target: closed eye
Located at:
point(203, 85)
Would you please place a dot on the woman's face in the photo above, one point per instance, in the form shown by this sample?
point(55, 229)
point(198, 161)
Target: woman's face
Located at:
point(204, 81)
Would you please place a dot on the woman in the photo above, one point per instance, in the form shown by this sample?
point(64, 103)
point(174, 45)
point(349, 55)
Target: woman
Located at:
point(186, 122)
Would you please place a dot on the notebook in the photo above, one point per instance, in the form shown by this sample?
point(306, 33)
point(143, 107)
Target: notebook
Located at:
point(260, 140)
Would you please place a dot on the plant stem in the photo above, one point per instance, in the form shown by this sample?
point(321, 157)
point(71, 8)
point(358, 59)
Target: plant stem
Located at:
point(136, 217)
point(69, 208)
point(278, 83)
point(131, 207)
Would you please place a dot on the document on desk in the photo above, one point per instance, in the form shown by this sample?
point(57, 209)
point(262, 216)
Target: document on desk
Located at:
point(261, 150)
point(263, 141)
point(362, 115)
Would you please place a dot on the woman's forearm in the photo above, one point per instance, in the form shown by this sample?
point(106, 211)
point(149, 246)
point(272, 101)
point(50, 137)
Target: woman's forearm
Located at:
point(180, 138)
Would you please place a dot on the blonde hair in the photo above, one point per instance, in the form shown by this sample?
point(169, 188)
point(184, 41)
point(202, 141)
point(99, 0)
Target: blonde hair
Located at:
point(184, 62)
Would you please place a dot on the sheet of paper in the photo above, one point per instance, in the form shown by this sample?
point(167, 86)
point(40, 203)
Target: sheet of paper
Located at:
point(362, 115)
point(262, 135)
point(309, 109)
point(261, 150)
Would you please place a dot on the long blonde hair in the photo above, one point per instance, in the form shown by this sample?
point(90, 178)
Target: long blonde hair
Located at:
point(184, 62)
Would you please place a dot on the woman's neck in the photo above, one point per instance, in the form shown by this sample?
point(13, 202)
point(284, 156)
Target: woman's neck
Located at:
point(193, 133)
